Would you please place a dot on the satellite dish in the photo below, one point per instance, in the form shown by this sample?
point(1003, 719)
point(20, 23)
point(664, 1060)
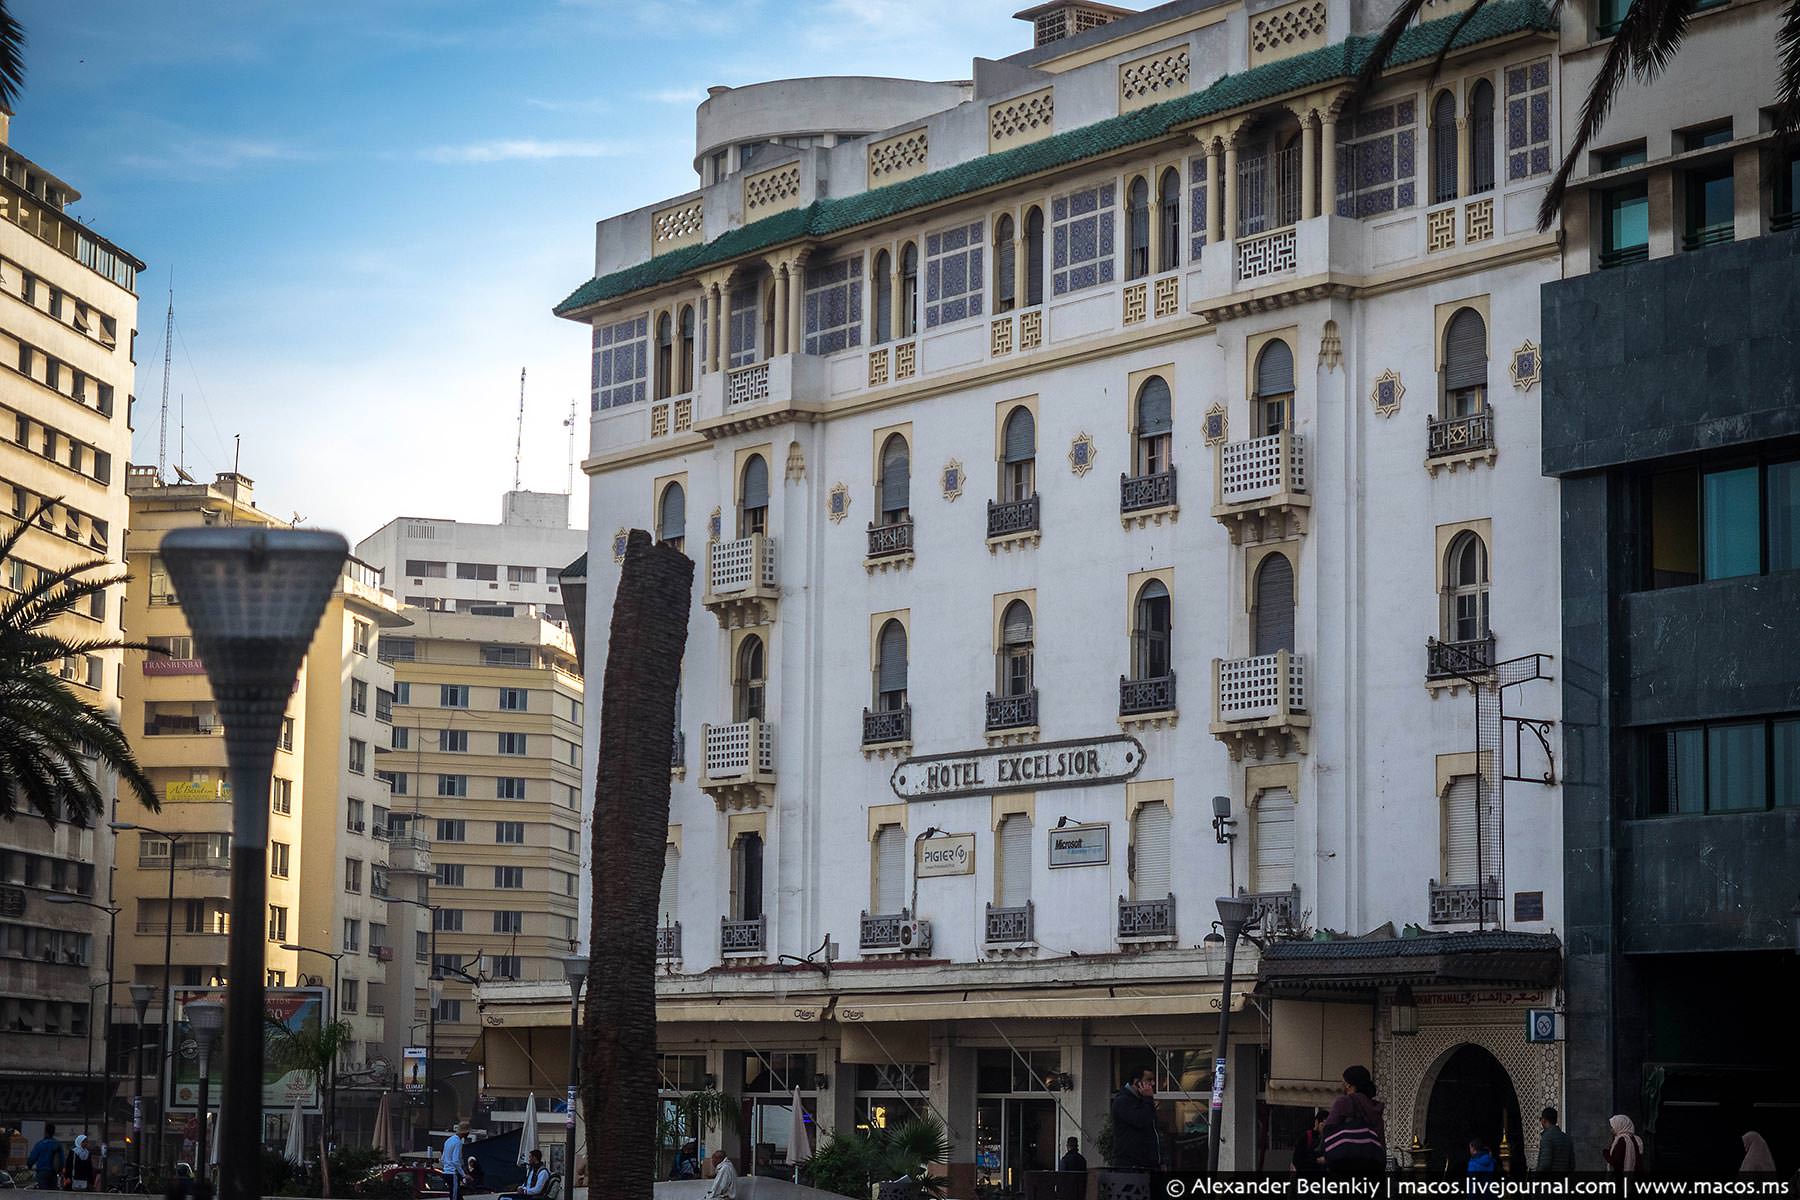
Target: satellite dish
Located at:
point(184, 476)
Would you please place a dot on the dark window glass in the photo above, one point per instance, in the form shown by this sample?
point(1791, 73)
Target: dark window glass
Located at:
point(1709, 206)
point(1787, 190)
point(1784, 749)
point(1674, 529)
point(1782, 489)
point(1625, 225)
point(1736, 768)
point(1732, 529)
point(1610, 14)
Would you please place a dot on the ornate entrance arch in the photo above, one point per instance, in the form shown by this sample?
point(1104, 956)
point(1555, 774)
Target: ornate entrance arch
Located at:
point(1466, 1093)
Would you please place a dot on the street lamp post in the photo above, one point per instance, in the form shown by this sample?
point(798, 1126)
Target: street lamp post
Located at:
point(1234, 912)
point(205, 1018)
point(253, 598)
point(168, 1016)
point(140, 1000)
point(337, 1010)
point(112, 936)
point(575, 969)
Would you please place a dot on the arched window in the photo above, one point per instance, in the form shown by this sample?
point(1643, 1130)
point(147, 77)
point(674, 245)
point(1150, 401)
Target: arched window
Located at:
point(753, 498)
point(1018, 456)
point(1275, 386)
point(1016, 654)
point(1150, 852)
point(1155, 425)
point(1005, 265)
point(751, 680)
point(888, 895)
point(1466, 590)
point(686, 370)
point(1168, 210)
point(1286, 183)
point(1014, 858)
point(1465, 364)
point(890, 668)
point(881, 285)
point(740, 341)
point(1443, 147)
point(671, 516)
point(896, 481)
point(1481, 137)
point(669, 895)
point(1034, 257)
point(747, 877)
point(665, 357)
point(1274, 615)
point(1137, 224)
point(1150, 657)
point(909, 290)
point(768, 314)
point(1272, 841)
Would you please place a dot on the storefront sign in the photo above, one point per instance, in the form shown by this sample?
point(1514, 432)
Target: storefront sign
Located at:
point(953, 855)
point(1081, 846)
point(42, 1096)
point(1080, 763)
point(412, 1068)
point(204, 789)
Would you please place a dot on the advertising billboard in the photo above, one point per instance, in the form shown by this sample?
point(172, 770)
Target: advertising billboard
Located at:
point(412, 1068)
point(297, 1008)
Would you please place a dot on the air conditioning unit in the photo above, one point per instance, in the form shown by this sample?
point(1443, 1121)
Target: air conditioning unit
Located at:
point(915, 936)
point(384, 954)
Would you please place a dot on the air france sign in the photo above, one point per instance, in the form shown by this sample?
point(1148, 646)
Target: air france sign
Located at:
point(1081, 763)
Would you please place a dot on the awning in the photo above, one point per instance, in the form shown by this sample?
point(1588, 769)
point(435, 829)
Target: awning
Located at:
point(1120, 1000)
point(895, 1042)
point(556, 1016)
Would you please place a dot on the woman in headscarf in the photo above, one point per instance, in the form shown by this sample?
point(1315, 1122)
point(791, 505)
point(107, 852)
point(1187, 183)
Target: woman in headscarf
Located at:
point(1355, 1129)
point(81, 1166)
point(1625, 1155)
point(1757, 1159)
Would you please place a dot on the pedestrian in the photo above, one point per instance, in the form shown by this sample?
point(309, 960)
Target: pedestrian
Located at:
point(451, 1160)
point(1625, 1153)
point(78, 1171)
point(1136, 1141)
point(46, 1158)
point(1356, 1129)
point(1482, 1168)
point(1309, 1155)
point(724, 1184)
point(537, 1178)
point(687, 1161)
point(1073, 1160)
point(474, 1178)
point(1757, 1159)
point(1556, 1149)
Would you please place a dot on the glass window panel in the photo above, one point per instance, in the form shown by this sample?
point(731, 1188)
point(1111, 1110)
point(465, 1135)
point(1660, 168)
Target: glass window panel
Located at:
point(1685, 778)
point(1785, 750)
point(1674, 530)
point(1733, 526)
point(1783, 488)
point(1735, 768)
point(1627, 222)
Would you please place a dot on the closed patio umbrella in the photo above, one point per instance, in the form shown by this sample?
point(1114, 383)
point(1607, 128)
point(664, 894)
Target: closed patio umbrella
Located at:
point(528, 1135)
point(799, 1141)
point(294, 1151)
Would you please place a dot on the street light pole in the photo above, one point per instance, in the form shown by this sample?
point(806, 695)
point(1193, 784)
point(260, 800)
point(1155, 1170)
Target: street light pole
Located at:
point(164, 1064)
point(112, 937)
point(337, 1012)
point(575, 969)
point(205, 1019)
point(1234, 912)
point(140, 1000)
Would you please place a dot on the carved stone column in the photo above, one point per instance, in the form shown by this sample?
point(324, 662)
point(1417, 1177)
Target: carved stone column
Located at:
point(1309, 167)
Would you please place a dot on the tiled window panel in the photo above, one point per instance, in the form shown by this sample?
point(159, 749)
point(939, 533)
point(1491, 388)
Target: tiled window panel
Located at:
point(953, 274)
point(740, 327)
point(1197, 202)
point(621, 362)
point(1528, 119)
point(834, 305)
point(1082, 232)
point(1377, 155)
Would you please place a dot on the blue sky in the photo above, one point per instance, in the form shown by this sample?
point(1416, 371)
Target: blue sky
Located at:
point(370, 206)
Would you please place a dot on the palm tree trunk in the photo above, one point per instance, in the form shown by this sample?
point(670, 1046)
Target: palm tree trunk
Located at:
point(631, 817)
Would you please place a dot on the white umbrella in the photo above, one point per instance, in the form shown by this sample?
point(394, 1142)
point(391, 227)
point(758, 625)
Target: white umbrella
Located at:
point(799, 1143)
point(528, 1135)
point(295, 1151)
point(212, 1155)
point(384, 1131)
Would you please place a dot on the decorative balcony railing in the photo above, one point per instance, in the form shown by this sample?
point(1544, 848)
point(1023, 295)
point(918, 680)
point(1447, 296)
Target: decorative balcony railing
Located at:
point(881, 727)
point(747, 385)
point(1140, 696)
point(1463, 903)
point(743, 937)
point(1267, 253)
point(1262, 468)
point(1009, 517)
point(1012, 712)
point(884, 931)
point(886, 541)
point(1260, 687)
point(1139, 492)
point(1274, 912)
point(1009, 926)
point(1140, 919)
point(1445, 436)
point(668, 940)
point(1456, 660)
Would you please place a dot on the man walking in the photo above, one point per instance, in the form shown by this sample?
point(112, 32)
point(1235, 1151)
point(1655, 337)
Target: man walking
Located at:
point(451, 1161)
point(46, 1158)
point(724, 1184)
point(1136, 1145)
point(1556, 1149)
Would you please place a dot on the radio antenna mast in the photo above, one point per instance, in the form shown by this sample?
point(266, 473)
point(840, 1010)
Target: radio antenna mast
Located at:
point(570, 424)
point(519, 438)
point(162, 438)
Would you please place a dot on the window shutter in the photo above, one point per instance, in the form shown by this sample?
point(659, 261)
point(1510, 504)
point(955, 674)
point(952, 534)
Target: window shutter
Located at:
point(1021, 436)
point(1465, 351)
point(1015, 861)
point(1016, 626)
point(1460, 826)
point(1443, 148)
point(1275, 605)
point(671, 886)
point(891, 674)
point(1153, 408)
point(1150, 852)
point(672, 523)
point(890, 869)
point(1272, 862)
point(1275, 370)
point(896, 475)
point(756, 483)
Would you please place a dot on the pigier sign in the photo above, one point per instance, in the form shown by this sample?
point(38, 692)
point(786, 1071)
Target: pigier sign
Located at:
point(1080, 763)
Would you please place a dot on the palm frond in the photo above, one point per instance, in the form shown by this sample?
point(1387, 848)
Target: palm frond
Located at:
point(1787, 90)
point(1390, 35)
point(12, 58)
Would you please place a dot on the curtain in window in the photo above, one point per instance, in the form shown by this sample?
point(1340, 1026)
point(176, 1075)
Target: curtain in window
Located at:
point(1461, 833)
point(1154, 406)
point(756, 483)
point(1020, 437)
point(890, 674)
point(1274, 370)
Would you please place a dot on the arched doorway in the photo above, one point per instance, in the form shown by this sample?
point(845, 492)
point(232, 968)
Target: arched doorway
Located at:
point(1471, 1097)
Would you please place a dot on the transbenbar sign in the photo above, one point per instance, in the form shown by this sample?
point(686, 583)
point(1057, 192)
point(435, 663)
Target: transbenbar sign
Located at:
point(1079, 763)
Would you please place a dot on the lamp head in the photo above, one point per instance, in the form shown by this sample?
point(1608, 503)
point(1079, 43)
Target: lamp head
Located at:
point(120, 826)
point(1061, 821)
point(291, 946)
point(575, 969)
point(205, 1018)
point(1221, 806)
point(140, 997)
point(1234, 913)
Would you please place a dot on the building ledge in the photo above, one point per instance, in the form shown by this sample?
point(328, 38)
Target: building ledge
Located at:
point(888, 562)
point(1019, 736)
point(897, 749)
point(1456, 462)
point(1015, 541)
point(1163, 718)
point(1150, 516)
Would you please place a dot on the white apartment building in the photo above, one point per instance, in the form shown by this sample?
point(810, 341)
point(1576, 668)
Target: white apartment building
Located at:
point(969, 740)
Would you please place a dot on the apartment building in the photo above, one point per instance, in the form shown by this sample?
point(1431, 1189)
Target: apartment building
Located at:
point(68, 321)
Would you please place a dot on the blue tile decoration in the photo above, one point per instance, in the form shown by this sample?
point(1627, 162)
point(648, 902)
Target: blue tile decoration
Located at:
point(833, 305)
point(1197, 202)
point(621, 362)
point(1082, 238)
point(1377, 160)
point(953, 270)
point(1528, 120)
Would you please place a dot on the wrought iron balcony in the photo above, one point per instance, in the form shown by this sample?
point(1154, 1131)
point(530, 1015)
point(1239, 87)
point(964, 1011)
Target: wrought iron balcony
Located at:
point(1260, 488)
point(1140, 492)
point(1274, 912)
point(741, 588)
point(743, 937)
point(1012, 712)
point(1447, 436)
point(1260, 700)
point(738, 764)
point(1142, 920)
point(1458, 660)
point(1009, 926)
point(678, 753)
point(668, 941)
point(881, 727)
point(894, 932)
point(891, 541)
point(1463, 903)
point(1010, 518)
point(1138, 697)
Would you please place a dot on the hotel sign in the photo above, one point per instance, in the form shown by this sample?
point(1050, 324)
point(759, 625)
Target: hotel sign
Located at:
point(1035, 768)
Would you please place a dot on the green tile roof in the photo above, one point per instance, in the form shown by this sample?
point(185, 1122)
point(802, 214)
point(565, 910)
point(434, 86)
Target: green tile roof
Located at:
point(822, 218)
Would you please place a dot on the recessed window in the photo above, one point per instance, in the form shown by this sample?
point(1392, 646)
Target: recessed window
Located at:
point(451, 831)
point(1137, 227)
point(1720, 767)
point(753, 497)
point(890, 668)
point(1150, 633)
point(1787, 191)
point(895, 485)
point(511, 743)
point(1710, 218)
point(671, 517)
point(1155, 426)
point(1168, 218)
point(1005, 264)
point(455, 741)
point(1017, 651)
point(1018, 456)
point(750, 681)
point(1275, 387)
point(509, 922)
point(453, 695)
point(509, 878)
point(1727, 522)
point(509, 833)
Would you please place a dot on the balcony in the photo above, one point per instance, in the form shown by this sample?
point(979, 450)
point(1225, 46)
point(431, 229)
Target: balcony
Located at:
point(746, 386)
point(1260, 272)
point(1012, 716)
point(1259, 488)
point(1009, 926)
point(1013, 521)
point(1277, 914)
point(894, 933)
point(1147, 920)
point(1453, 442)
point(1458, 661)
point(743, 939)
point(738, 767)
point(1463, 903)
point(668, 942)
point(741, 587)
point(1259, 704)
point(887, 729)
point(409, 856)
point(1147, 701)
point(678, 752)
point(890, 545)
point(1145, 498)
point(1264, 254)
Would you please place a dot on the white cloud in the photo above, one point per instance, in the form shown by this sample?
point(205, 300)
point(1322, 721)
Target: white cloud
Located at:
point(193, 154)
point(519, 150)
point(593, 104)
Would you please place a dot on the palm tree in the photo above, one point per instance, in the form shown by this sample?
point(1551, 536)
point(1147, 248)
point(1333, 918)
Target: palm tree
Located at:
point(48, 731)
point(631, 821)
point(12, 58)
point(1647, 39)
point(312, 1051)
